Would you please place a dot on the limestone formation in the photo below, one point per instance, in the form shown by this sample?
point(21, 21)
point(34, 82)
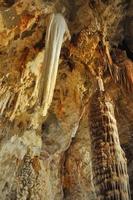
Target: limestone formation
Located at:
point(109, 163)
point(58, 136)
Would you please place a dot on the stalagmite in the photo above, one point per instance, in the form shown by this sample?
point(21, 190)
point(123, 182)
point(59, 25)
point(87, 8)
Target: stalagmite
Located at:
point(57, 32)
point(108, 160)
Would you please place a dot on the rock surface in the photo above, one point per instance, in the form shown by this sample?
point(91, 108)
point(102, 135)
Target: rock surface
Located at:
point(49, 158)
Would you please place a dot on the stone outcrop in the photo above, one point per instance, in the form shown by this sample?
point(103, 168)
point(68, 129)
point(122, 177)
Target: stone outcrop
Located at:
point(50, 157)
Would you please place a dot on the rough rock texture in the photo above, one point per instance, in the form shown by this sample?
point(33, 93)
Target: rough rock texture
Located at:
point(50, 158)
point(109, 164)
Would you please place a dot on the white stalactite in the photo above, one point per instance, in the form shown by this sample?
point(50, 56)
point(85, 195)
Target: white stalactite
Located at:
point(57, 32)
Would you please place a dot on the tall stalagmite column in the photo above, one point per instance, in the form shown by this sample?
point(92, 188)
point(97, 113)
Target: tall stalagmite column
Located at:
point(108, 159)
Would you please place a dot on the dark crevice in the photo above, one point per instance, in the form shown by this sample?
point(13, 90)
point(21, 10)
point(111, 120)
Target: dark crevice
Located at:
point(74, 39)
point(123, 46)
point(9, 3)
point(41, 43)
point(29, 33)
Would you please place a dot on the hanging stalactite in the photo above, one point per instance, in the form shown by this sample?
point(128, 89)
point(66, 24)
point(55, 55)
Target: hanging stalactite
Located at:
point(124, 76)
point(121, 69)
point(57, 32)
point(108, 159)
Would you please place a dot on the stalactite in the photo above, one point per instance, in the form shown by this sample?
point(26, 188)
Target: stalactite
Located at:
point(121, 69)
point(108, 159)
point(57, 32)
point(123, 76)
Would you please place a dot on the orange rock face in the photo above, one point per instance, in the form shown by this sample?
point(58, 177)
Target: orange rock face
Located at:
point(50, 158)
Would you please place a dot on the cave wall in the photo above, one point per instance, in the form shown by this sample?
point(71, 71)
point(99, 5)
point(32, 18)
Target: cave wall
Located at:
point(49, 158)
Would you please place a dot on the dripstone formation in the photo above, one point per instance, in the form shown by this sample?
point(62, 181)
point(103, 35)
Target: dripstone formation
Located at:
point(61, 139)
